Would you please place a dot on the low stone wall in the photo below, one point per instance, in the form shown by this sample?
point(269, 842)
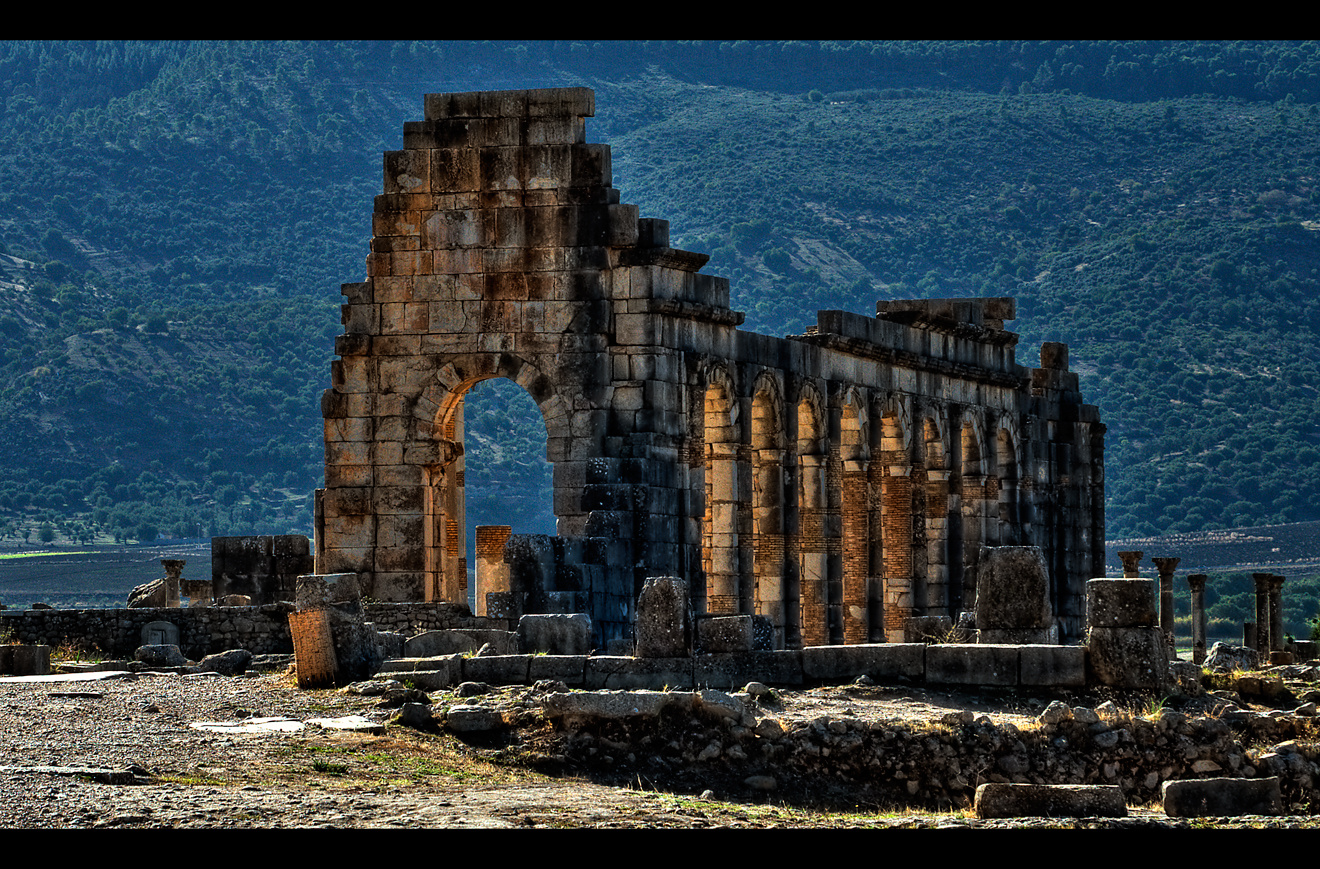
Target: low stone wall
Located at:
point(737, 745)
point(119, 632)
point(206, 630)
point(1032, 666)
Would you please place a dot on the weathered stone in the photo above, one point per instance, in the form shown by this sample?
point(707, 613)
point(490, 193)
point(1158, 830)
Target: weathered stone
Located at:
point(161, 656)
point(1225, 658)
point(149, 594)
point(965, 664)
point(557, 634)
point(1221, 797)
point(1120, 603)
point(447, 642)
point(473, 719)
point(663, 619)
point(500, 250)
point(995, 800)
point(725, 634)
point(1128, 657)
point(230, 663)
point(1012, 590)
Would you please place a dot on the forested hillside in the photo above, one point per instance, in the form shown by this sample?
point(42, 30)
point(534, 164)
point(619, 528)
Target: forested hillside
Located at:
point(175, 219)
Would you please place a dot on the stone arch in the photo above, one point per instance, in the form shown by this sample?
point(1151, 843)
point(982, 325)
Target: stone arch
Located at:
point(766, 438)
point(437, 421)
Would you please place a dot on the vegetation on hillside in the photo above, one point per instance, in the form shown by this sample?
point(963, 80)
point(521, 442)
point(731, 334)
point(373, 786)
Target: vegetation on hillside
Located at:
point(175, 219)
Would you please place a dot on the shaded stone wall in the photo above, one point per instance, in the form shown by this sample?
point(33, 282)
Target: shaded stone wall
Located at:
point(836, 482)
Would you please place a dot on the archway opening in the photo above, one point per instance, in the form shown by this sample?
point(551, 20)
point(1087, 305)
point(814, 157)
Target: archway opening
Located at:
point(505, 476)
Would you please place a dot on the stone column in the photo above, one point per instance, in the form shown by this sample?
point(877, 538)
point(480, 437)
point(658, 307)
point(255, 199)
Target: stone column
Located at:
point(1130, 562)
point(173, 578)
point(722, 587)
point(1196, 581)
point(1276, 613)
point(1166, 567)
point(896, 510)
point(1263, 639)
point(937, 543)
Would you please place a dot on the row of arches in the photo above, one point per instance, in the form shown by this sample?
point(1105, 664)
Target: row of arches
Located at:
point(842, 511)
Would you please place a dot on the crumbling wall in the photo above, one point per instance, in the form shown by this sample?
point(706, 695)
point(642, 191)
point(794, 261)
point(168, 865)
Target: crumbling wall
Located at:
point(836, 483)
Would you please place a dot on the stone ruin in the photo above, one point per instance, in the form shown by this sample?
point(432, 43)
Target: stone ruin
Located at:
point(835, 484)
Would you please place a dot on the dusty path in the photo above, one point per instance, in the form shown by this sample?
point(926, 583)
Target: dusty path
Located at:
point(312, 776)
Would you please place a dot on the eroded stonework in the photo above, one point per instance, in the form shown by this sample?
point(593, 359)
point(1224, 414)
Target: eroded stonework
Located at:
point(834, 483)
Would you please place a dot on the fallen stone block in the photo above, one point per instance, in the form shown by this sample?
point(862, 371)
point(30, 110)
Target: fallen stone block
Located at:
point(1222, 797)
point(230, 663)
point(587, 705)
point(473, 719)
point(161, 656)
point(995, 800)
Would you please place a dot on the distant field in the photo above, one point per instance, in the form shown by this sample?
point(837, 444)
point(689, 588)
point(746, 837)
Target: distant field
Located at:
point(93, 578)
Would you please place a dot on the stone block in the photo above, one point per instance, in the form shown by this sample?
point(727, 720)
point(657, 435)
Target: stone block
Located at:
point(1046, 666)
point(621, 672)
point(1002, 800)
point(733, 671)
point(496, 669)
point(663, 618)
point(717, 634)
point(569, 669)
point(1012, 589)
point(1221, 797)
point(1121, 603)
point(30, 660)
point(556, 634)
point(965, 664)
point(1128, 657)
point(883, 662)
point(457, 641)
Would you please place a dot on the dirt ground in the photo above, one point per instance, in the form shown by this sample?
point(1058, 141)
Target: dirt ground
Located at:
point(201, 751)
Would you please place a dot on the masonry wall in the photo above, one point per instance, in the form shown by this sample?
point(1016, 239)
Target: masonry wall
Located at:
point(836, 482)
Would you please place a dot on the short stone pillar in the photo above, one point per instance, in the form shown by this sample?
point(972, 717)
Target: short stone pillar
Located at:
point(173, 578)
point(1263, 640)
point(1130, 561)
point(1196, 581)
point(1013, 596)
point(663, 625)
point(492, 571)
point(1276, 613)
point(1249, 635)
point(1125, 648)
point(1166, 567)
point(331, 642)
